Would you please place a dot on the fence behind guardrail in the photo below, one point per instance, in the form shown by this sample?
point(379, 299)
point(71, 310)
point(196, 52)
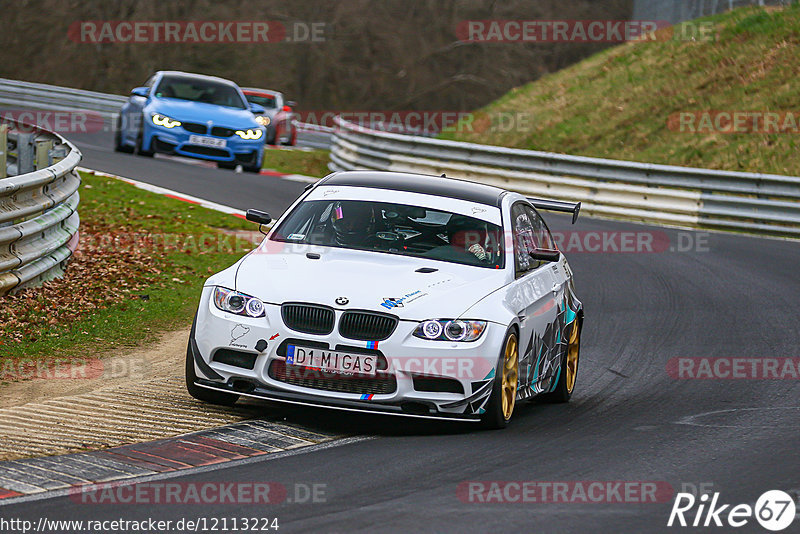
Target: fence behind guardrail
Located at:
point(38, 205)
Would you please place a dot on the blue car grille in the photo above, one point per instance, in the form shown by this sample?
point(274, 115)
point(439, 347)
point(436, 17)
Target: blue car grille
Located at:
point(220, 131)
point(194, 128)
point(206, 151)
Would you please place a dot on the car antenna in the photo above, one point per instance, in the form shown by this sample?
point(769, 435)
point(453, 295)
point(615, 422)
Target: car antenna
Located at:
point(443, 175)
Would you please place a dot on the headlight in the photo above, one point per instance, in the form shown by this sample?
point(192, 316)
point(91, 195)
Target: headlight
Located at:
point(450, 329)
point(163, 120)
point(262, 120)
point(255, 133)
point(238, 303)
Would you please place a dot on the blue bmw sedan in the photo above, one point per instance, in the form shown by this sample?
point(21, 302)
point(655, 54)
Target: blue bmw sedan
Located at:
point(192, 115)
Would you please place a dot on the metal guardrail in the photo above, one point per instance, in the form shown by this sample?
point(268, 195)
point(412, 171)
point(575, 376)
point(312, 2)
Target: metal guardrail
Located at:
point(43, 96)
point(661, 194)
point(40, 96)
point(38, 205)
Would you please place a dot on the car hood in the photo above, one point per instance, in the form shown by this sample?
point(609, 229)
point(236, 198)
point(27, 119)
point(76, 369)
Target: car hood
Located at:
point(368, 280)
point(184, 110)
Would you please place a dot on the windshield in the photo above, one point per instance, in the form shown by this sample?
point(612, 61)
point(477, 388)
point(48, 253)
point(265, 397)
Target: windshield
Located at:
point(197, 90)
point(267, 102)
point(395, 229)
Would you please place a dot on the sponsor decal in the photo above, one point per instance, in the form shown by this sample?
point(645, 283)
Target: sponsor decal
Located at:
point(296, 236)
point(237, 332)
point(274, 336)
point(398, 302)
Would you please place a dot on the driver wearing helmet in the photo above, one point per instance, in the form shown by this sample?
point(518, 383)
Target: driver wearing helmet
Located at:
point(354, 224)
point(468, 235)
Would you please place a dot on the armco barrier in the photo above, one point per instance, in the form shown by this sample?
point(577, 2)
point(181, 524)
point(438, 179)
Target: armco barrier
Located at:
point(659, 194)
point(38, 205)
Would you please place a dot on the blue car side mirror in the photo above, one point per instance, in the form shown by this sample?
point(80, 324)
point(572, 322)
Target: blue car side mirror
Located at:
point(257, 109)
point(141, 91)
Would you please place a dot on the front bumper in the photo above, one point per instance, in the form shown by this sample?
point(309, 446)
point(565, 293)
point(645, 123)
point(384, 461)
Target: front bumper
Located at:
point(176, 141)
point(430, 379)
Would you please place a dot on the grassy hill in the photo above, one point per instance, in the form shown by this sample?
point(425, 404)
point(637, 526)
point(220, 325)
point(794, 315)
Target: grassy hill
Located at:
point(617, 103)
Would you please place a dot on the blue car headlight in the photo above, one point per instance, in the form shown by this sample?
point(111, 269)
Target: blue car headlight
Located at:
point(163, 120)
point(237, 303)
point(252, 133)
point(450, 329)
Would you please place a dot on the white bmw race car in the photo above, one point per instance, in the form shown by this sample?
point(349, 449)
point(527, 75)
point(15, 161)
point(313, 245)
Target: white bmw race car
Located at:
point(394, 293)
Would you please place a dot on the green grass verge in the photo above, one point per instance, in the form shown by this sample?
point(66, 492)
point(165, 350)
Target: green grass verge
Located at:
point(121, 295)
point(616, 104)
point(307, 162)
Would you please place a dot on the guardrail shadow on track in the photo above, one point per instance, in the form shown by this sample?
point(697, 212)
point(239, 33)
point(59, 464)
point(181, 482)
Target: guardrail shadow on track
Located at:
point(38, 204)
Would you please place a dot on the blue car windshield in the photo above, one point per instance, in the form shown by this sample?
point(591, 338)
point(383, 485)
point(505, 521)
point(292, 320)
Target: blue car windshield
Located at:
point(197, 90)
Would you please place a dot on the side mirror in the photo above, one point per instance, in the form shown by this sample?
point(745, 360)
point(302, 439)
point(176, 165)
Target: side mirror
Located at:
point(286, 108)
point(141, 91)
point(543, 254)
point(291, 103)
point(257, 109)
point(258, 216)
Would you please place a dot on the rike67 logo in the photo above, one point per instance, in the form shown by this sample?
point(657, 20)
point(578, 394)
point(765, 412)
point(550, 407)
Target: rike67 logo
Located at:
point(774, 510)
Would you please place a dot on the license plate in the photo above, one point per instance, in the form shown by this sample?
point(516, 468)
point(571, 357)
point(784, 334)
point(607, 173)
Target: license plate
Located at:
point(331, 360)
point(207, 141)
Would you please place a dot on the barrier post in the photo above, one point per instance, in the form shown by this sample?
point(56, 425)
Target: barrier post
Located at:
point(43, 148)
point(3, 150)
point(25, 153)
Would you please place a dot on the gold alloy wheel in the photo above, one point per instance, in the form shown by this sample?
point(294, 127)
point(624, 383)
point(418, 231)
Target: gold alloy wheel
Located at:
point(510, 377)
point(573, 348)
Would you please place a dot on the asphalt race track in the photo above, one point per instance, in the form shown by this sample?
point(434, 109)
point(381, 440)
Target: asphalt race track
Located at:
point(728, 296)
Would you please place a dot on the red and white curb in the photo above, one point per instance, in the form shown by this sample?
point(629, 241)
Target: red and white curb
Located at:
point(166, 458)
point(168, 193)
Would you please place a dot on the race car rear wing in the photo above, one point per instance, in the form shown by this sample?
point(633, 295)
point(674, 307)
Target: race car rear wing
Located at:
point(557, 205)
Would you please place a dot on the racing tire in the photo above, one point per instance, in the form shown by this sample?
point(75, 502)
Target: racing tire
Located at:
point(139, 151)
point(293, 139)
point(503, 398)
point(568, 373)
point(118, 146)
point(207, 395)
